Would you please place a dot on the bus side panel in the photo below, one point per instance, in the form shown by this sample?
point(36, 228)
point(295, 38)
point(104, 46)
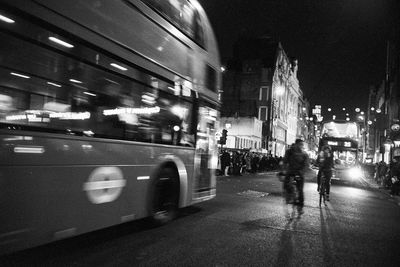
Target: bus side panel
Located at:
point(84, 151)
point(41, 203)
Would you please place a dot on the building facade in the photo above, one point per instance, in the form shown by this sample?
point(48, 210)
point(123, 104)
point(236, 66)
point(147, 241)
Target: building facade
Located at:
point(383, 120)
point(261, 83)
point(243, 133)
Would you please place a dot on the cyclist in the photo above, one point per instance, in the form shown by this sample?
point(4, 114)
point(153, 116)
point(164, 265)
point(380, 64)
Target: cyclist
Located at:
point(295, 163)
point(325, 163)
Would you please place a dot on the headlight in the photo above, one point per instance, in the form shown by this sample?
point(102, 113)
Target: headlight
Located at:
point(355, 173)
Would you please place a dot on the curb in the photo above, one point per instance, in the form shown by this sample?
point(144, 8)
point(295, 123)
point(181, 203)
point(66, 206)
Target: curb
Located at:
point(375, 186)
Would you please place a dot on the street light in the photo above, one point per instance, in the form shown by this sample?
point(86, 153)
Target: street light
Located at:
point(279, 90)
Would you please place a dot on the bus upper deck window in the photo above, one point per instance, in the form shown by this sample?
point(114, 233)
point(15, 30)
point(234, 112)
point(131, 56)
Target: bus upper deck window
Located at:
point(211, 78)
point(198, 30)
point(183, 15)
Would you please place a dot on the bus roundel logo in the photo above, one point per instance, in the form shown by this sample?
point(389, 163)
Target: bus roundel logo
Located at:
point(104, 185)
point(395, 127)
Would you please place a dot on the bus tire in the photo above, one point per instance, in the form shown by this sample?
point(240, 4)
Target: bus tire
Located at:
point(165, 197)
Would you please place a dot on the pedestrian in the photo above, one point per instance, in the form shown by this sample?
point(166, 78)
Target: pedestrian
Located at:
point(254, 163)
point(395, 176)
point(243, 164)
point(236, 163)
point(225, 162)
point(381, 173)
point(248, 162)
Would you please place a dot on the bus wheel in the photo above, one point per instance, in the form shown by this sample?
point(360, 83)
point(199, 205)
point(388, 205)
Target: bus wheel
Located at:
point(165, 197)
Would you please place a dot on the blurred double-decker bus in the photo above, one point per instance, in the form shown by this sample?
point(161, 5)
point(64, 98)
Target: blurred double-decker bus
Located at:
point(343, 137)
point(108, 113)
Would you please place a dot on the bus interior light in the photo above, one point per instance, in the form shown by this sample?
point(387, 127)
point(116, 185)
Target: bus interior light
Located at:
point(60, 42)
point(20, 75)
point(53, 84)
point(74, 81)
point(118, 67)
point(6, 19)
point(88, 93)
point(88, 133)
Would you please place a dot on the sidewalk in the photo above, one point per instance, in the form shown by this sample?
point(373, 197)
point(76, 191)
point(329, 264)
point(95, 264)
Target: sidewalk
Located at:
point(370, 182)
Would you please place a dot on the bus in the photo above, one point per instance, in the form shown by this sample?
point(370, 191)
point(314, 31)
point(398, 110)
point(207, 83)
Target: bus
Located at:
point(343, 137)
point(108, 114)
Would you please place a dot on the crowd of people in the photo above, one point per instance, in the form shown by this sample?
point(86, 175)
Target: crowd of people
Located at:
point(233, 162)
point(388, 175)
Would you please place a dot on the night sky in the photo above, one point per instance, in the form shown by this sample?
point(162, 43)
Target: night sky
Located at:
point(340, 44)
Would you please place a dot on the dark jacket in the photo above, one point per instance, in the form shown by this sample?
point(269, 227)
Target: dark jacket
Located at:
point(225, 159)
point(295, 159)
point(395, 170)
point(325, 161)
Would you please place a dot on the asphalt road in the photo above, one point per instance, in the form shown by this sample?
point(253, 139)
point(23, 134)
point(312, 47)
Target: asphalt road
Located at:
point(245, 225)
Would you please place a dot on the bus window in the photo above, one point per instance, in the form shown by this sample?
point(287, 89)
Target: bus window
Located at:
point(211, 78)
point(90, 100)
point(183, 15)
point(344, 159)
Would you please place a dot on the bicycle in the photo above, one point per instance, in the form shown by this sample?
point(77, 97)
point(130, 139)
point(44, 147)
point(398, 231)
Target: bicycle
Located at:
point(288, 186)
point(291, 192)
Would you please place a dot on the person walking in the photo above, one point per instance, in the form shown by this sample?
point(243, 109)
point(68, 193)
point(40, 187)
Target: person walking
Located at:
point(236, 163)
point(225, 162)
point(395, 176)
point(381, 173)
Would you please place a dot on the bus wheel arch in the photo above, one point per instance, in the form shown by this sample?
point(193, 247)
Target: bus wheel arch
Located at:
point(165, 194)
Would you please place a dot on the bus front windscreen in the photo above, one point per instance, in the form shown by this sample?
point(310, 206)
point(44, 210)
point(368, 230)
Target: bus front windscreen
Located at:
point(344, 159)
point(340, 129)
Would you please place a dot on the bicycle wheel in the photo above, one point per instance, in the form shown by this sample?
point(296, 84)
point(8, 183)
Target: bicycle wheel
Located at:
point(289, 190)
point(322, 192)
